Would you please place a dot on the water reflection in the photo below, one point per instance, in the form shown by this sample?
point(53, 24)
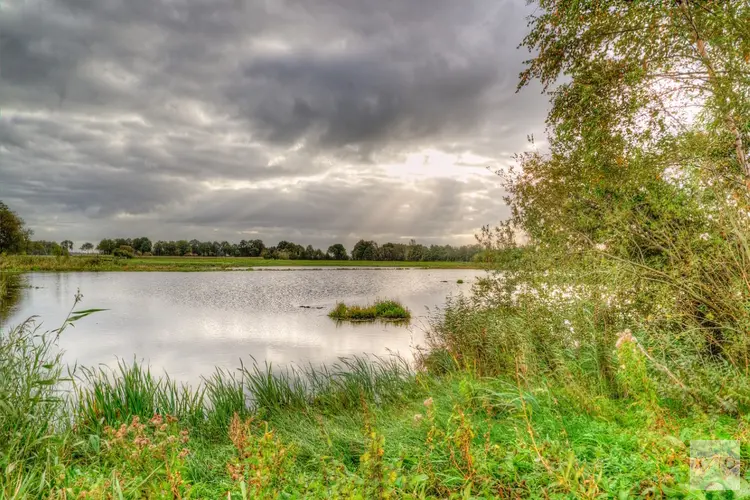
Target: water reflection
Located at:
point(189, 323)
point(11, 288)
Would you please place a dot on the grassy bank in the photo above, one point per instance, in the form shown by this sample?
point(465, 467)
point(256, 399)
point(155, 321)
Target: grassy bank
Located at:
point(23, 263)
point(381, 309)
point(505, 405)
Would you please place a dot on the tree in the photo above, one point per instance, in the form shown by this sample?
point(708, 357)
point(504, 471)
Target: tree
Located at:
point(290, 250)
point(195, 247)
point(106, 246)
point(227, 249)
point(630, 183)
point(415, 251)
point(337, 251)
point(183, 247)
point(365, 250)
point(142, 245)
point(14, 237)
point(255, 248)
point(617, 124)
point(67, 245)
point(87, 247)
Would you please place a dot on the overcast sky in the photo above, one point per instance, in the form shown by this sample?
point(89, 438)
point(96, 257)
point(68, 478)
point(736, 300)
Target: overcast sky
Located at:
point(316, 121)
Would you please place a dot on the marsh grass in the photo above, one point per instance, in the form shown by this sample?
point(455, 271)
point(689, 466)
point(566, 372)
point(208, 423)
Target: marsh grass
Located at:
point(106, 396)
point(340, 387)
point(33, 422)
point(381, 309)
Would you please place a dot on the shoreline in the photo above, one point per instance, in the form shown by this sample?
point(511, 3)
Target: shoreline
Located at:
point(97, 263)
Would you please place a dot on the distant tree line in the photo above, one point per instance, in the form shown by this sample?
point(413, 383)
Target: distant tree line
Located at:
point(16, 238)
point(287, 250)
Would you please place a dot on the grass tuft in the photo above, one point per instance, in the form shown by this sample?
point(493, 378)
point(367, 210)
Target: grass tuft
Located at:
point(381, 309)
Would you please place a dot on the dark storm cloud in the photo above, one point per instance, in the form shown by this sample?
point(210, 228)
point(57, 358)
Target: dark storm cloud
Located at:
point(361, 99)
point(208, 118)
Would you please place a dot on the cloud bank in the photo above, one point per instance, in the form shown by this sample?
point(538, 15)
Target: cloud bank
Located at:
point(315, 121)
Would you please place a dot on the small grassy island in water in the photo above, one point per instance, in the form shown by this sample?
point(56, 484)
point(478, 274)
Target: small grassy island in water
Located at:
point(381, 309)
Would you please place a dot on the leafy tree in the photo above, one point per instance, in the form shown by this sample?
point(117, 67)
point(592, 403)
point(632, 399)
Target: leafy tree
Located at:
point(618, 129)
point(67, 245)
point(142, 245)
point(270, 253)
point(14, 236)
point(243, 248)
point(123, 242)
point(195, 247)
point(87, 247)
point(647, 150)
point(255, 248)
point(337, 251)
point(290, 250)
point(106, 246)
point(365, 250)
point(182, 247)
point(227, 249)
point(416, 252)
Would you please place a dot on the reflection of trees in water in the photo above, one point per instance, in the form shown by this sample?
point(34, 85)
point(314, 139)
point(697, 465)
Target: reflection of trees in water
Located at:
point(11, 286)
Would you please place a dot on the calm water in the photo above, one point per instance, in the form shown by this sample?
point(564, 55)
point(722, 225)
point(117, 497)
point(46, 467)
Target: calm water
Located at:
point(189, 323)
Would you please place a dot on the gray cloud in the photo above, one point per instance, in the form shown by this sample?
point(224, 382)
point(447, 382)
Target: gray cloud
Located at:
point(223, 118)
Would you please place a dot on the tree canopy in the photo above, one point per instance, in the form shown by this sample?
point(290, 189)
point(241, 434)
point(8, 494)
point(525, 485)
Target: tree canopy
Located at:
point(14, 236)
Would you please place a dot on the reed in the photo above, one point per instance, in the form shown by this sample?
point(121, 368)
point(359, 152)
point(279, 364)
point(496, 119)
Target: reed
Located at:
point(381, 309)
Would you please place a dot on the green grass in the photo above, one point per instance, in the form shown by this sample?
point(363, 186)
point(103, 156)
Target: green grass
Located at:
point(364, 428)
point(23, 263)
point(381, 309)
point(504, 405)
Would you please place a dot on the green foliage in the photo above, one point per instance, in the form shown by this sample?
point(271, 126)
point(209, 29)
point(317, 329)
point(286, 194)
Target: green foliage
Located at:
point(358, 429)
point(339, 387)
point(365, 250)
point(124, 252)
point(14, 236)
point(107, 397)
point(581, 367)
point(381, 309)
point(337, 252)
point(137, 460)
point(30, 369)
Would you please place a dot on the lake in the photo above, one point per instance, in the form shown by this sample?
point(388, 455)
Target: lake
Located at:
point(189, 323)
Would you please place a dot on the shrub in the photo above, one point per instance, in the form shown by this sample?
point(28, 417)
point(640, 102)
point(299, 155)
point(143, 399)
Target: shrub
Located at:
point(125, 252)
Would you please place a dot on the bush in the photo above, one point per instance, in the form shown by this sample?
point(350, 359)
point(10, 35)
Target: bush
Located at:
point(124, 252)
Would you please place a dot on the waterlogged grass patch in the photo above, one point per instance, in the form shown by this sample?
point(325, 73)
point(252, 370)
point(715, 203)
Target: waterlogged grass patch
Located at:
point(381, 309)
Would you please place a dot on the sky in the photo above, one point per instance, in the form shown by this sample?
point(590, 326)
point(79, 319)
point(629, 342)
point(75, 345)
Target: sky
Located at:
point(315, 121)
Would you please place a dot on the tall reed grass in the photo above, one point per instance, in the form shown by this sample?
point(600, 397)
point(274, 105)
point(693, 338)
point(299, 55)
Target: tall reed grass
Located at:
point(107, 396)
